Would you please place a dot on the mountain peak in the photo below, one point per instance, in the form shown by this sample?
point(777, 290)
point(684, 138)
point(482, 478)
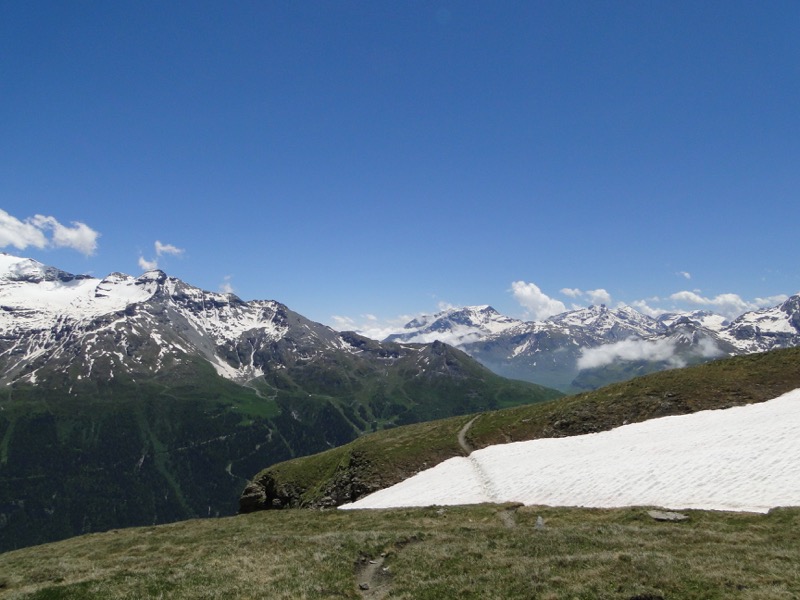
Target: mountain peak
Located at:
point(603, 318)
point(15, 268)
point(455, 326)
point(154, 275)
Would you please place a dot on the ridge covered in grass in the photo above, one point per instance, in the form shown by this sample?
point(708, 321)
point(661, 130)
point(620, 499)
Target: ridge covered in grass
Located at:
point(382, 459)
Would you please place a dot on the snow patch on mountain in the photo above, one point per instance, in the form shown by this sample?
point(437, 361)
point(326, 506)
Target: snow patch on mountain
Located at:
point(604, 321)
point(703, 318)
point(49, 315)
point(744, 458)
point(33, 296)
point(455, 326)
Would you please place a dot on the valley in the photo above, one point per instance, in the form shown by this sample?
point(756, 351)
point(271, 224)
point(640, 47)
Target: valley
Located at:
point(137, 401)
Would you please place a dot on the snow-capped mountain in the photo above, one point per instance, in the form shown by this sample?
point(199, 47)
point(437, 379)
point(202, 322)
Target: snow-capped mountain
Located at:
point(132, 326)
point(592, 346)
point(705, 318)
point(58, 329)
point(760, 330)
point(608, 324)
point(456, 326)
point(139, 400)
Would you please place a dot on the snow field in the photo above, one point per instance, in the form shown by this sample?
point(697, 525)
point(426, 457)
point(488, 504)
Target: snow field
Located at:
point(740, 459)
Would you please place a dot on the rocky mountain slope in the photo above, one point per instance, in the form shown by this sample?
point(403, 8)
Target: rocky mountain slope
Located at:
point(136, 400)
point(590, 347)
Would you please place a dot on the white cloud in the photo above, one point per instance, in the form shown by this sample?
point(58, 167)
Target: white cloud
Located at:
point(629, 350)
point(650, 350)
point(728, 305)
point(33, 232)
point(375, 328)
point(19, 234)
point(343, 323)
point(457, 336)
point(643, 307)
point(598, 296)
point(226, 287)
point(708, 349)
point(147, 265)
point(369, 325)
point(537, 303)
point(685, 274)
point(770, 300)
point(79, 237)
point(162, 249)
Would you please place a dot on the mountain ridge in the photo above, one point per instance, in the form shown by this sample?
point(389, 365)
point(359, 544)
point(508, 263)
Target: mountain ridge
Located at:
point(564, 351)
point(140, 400)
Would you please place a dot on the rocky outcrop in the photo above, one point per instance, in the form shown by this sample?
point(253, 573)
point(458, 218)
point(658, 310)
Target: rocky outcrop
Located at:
point(352, 479)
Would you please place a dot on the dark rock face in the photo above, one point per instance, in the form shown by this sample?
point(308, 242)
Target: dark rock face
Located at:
point(253, 498)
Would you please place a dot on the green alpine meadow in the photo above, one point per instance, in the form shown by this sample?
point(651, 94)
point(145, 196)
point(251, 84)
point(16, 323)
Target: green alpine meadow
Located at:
point(480, 551)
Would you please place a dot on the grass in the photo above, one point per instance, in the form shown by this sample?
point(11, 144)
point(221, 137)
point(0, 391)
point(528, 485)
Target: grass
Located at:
point(429, 553)
point(478, 552)
point(719, 384)
point(374, 459)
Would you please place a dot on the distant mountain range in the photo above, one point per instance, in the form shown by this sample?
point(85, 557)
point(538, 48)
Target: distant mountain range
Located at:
point(137, 400)
point(590, 347)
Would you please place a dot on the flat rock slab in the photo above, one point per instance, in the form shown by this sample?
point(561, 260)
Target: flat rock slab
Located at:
point(660, 515)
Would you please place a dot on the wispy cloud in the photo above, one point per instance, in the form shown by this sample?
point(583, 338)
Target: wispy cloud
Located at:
point(369, 325)
point(663, 350)
point(456, 336)
point(729, 305)
point(643, 306)
point(42, 231)
point(161, 249)
point(372, 327)
point(684, 274)
point(147, 265)
point(598, 296)
point(226, 287)
point(627, 350)
point(538, 304)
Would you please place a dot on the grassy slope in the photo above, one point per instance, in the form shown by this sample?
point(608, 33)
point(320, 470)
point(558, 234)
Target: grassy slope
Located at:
point(475, 552)
point(464, 552)
point(719, 384)
point(122, 452)
point(382, 459)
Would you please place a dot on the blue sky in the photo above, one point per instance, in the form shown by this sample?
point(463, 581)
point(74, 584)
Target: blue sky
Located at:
point(360, 161)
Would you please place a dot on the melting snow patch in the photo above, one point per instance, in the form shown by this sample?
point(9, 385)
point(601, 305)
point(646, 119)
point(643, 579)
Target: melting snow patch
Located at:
point(742, 459)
